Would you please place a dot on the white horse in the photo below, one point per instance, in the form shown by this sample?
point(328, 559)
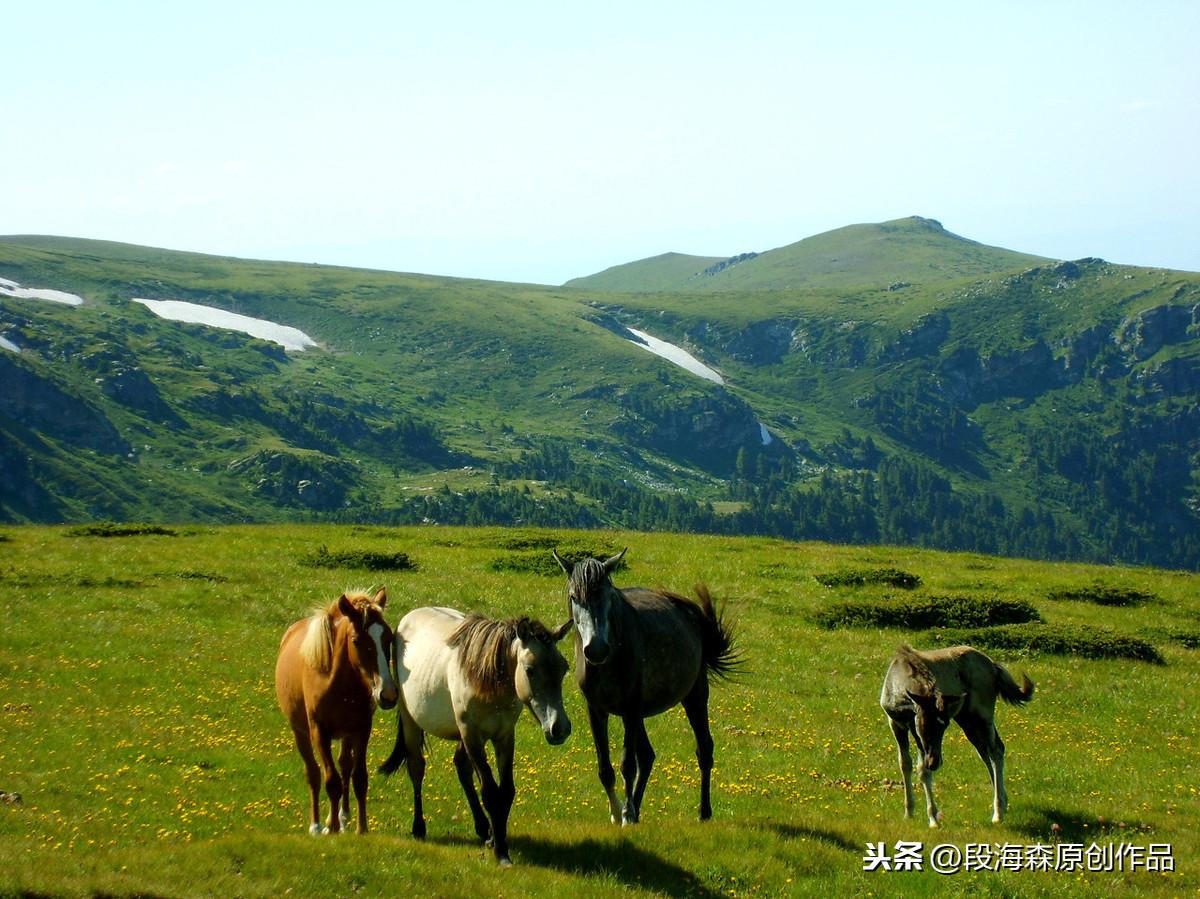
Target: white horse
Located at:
point(465, 678)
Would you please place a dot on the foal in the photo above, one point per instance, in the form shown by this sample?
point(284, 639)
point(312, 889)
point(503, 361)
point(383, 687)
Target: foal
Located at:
point(333, 669)
point(923, 691)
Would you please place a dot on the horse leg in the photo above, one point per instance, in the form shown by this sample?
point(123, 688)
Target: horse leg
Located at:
point(598, 721)
point(695, 704)
point(312, 773)
point(503, 747)
point(333, 782)
point(346, 769)
point(900, 732)
point(931, 809)
point(979, 733)
point(359, 775)
point(492, 794)
point(636, 761)
point(1000, 799)
point(466, 777)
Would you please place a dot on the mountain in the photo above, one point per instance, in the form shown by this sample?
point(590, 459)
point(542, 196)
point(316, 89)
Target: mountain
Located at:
point(913, 251)
point(878, 383)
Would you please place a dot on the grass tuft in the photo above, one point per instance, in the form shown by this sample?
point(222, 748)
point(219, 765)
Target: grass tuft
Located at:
point(541, 562)
point(916, 612)
point(358, 558)
point(113, 529)
point(1061, 639)
point(860, 577)
point(1104, 595)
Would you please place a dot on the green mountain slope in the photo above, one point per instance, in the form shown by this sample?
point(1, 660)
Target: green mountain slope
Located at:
point(935, 391)
point(906, 251)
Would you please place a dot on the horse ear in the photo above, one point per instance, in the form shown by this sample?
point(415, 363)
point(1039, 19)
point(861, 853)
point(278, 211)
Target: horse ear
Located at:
point(561, 564)
point(347, 608)
point(561, 632)
point(524, 632)
point(380, 597)
point(611, 565)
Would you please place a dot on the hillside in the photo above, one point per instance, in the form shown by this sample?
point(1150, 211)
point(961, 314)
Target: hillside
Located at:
point(906, 251)
point(888, 382)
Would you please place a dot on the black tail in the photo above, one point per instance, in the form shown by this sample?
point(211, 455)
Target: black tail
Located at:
point(721, 656)
point(1009, 691)
point(399, 752)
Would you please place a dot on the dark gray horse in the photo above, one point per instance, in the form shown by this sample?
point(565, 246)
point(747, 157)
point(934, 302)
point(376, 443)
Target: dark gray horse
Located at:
point(924, 691)
point(639, 652)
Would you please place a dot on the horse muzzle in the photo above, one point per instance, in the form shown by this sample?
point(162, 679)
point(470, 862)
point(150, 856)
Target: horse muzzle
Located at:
point(386, 698)
point(557, 733)
point(597, 652)
point(932, 762)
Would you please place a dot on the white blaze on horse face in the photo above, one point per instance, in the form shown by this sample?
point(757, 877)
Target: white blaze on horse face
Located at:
point(592, 627)
point(385, 687)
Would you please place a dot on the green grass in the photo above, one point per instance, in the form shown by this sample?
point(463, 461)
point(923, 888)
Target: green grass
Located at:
point(138, 723)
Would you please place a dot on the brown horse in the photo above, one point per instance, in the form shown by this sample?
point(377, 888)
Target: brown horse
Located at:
point(924, 691)
point(466, 678)
point(639, 652)
point(333, 669)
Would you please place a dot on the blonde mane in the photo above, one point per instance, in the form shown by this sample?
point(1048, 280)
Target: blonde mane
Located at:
point(317, 647)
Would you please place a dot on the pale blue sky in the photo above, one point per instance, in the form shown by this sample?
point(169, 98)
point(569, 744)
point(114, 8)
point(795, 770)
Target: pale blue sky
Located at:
point(540, 141)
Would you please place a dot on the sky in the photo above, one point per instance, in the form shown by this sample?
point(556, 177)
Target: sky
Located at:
point(537, 142)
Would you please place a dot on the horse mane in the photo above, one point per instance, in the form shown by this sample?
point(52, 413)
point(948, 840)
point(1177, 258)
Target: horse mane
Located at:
point(918, 668)
point(483, 650)
point(317, 646)
point(586, 575)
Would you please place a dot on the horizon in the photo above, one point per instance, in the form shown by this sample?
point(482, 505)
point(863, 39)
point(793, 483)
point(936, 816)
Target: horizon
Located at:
point(543, 144)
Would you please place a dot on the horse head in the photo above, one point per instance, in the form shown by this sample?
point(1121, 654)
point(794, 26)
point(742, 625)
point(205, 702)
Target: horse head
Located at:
point(370, 646)
point(592, 597)
point(934, 713)
point(539, 675)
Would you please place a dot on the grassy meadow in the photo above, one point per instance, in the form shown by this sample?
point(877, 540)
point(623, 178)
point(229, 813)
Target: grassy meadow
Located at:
point(138, 724)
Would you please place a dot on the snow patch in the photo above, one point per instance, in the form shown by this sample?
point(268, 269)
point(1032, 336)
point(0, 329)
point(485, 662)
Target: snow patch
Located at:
point(13, 289)
point(677, 355)
point(7, 344)
point(765, 435)
point(179, 311)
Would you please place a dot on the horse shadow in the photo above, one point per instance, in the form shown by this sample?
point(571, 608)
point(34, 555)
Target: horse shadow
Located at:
point(630, 865)
point(829, 837)
point(1049, 824)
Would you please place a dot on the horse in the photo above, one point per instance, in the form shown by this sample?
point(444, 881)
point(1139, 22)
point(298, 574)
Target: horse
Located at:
point(639, 652)
point(465, 678)
point(923, 691)
point(333, 670)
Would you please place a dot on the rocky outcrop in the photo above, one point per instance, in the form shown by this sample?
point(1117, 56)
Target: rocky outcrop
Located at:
point(125, 382)
point(309, 481)
point(924, 338)
point(35, 402)
point(1142, 335)
point(705, 430)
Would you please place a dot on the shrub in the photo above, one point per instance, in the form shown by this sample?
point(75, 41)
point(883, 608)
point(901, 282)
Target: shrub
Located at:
point(112, 529)
point(919, 612)
point(541, 562)
point(358, 558)
point(860, 577)
point(1105, 595)
point(1056, 639)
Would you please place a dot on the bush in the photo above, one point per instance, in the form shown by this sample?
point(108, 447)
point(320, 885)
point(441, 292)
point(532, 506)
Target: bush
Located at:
point(920, 612)
point(358, 558)
point(1104, 595)
point(1056, 639)
point(541, 562)
point(112, 529)
point(860, 577)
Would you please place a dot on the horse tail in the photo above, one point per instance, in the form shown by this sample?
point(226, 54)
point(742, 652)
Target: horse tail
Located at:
point(1009, 691)
point(721, 657)
point(399, 752)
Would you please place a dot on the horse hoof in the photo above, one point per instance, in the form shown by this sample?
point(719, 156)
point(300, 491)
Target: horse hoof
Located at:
point(315, 830)
point(504, 862)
